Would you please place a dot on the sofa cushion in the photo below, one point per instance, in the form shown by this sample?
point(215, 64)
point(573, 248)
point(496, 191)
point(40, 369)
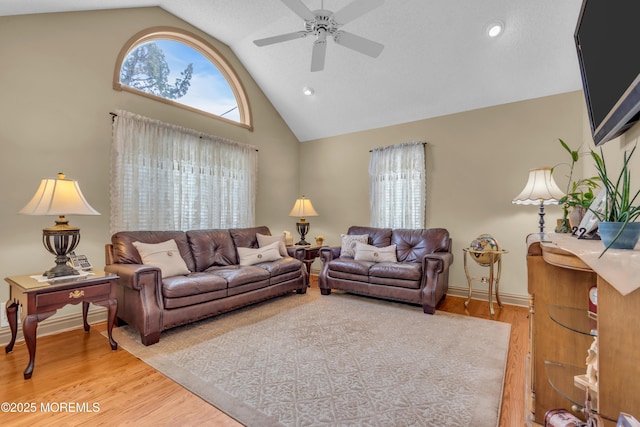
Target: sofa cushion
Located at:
point(193, 284)
point(413, 245)
point(281, 266)
point(211, 248)
point(251, 256)
point(264, 240)
point(405, 274)
point(125, 253)
point(164, 255)
point(349, 242)
point(350, 266)
point(372, 253)
point(236, 275)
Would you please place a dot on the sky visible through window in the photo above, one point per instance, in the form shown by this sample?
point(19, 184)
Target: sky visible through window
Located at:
point(209, 90)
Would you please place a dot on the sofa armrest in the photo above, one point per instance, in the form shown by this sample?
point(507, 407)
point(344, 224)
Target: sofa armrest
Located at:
point(443, 260)
point(140, 298)
point(296, 252)
point(135, 276)
point(435, 279)
point(329, 253)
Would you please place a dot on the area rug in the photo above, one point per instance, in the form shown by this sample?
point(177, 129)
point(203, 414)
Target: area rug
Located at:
point(337, 360)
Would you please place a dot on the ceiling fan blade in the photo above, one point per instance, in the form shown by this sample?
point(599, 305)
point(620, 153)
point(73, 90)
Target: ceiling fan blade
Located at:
point(359, 44)
point(319, 52)
point(281, 38)
point(355, 9)
point(299, 9)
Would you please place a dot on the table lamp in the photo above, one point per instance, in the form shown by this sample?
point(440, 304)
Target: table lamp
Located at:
point(541, 190)
point(59, 196)
point(303, 208)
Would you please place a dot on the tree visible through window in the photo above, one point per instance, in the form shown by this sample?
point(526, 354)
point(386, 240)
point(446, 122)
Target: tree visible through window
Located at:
point(179, 68)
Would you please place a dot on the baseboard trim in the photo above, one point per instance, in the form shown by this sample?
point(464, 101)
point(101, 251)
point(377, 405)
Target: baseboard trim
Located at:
point(481, 294)
point(99, 314)
point(57, 324)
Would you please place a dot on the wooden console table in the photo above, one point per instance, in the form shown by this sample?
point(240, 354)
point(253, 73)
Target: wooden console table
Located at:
point(560, 273)
point(40, 300)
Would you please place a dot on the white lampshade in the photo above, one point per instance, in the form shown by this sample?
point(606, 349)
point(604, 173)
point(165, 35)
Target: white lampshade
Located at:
point(540, 188)
point(303, 208)
point(59, 196)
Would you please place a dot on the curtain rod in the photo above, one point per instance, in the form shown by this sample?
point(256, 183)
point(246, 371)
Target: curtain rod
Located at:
point(114, 115)
point(422, 142)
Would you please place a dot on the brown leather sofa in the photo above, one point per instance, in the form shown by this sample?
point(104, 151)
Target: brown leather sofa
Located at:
point(420, 275)
point(216, 284)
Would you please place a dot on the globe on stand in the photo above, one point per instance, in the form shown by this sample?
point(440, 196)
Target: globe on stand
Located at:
point(481, 247)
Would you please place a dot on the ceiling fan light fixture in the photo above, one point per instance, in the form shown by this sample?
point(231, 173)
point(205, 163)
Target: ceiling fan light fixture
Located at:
point(494, 29)
point(308, 91)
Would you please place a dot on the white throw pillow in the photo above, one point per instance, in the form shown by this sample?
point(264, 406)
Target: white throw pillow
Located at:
point(250, 256)
point(349, 243)
point(264, 240)
point(165, 256)
point(372, 253)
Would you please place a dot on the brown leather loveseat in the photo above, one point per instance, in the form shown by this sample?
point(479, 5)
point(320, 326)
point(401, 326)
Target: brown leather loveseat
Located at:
point(402, 265)
point(213, 283)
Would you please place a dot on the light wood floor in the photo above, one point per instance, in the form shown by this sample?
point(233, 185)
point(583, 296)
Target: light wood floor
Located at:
point(114, 388)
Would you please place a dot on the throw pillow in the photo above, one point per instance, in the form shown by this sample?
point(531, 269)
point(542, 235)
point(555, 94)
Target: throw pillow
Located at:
point(264, 240)
point(250, 256)
point(165, 256)
point(349, 243)
point(372, 253)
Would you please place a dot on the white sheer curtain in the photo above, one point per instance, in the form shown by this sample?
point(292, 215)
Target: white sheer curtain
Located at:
point(165, 177)
point(398, 186)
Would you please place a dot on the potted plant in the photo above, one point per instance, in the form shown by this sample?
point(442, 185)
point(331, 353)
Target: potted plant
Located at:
point(617, 226)
point(579, 194)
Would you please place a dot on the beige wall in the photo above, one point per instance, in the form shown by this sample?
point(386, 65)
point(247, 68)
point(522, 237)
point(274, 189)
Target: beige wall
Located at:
point(56, 95)
point(55, 82)
point(477, 162)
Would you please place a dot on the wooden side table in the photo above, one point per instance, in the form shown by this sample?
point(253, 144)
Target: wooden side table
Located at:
point(40, 300)
point(310, 254)
point(495, 259)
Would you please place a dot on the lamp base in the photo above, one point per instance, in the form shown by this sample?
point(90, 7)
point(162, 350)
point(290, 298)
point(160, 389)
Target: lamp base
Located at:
point(60, 270)
point(60, 240)
point(303, 229)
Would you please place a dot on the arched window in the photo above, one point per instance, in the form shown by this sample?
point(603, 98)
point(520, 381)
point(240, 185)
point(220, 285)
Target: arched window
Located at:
point(179, 68)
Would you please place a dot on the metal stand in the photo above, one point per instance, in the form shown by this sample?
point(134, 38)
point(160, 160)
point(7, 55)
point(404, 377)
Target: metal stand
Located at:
point(495, 258)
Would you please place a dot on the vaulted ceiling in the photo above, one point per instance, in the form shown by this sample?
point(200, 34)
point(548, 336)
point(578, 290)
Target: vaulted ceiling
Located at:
point(437, 57)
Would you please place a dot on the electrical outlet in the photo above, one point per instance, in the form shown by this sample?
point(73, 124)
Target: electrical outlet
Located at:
point(3, 315)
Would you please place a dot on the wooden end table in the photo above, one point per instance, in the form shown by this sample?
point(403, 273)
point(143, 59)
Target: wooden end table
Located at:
point(40, 300)
point(310, 254)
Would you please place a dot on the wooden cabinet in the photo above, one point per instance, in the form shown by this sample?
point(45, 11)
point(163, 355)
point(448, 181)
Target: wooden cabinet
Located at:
point(561, 333)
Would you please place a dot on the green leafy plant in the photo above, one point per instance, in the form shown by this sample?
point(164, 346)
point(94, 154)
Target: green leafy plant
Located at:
point(619, 206)
point(580, 192)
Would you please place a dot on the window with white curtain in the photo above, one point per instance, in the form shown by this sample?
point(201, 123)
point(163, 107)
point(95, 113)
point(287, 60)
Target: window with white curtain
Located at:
point(165, 177)
point(398, 183)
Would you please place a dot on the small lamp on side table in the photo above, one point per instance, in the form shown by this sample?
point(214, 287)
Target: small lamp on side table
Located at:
point(59, 196)
point(302, 209)
point(541, 190)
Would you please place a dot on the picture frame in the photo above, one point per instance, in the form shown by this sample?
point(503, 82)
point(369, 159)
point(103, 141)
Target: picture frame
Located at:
point(589, 223)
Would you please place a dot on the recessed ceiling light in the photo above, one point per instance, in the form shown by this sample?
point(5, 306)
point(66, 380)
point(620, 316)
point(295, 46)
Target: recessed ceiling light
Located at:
point(308, 90)
point(495, 29)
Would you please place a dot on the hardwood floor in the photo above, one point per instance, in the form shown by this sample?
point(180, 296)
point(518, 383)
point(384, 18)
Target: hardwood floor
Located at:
point(78, 380)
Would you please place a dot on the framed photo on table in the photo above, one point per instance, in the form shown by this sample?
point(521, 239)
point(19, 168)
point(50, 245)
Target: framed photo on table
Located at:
point(589, 223)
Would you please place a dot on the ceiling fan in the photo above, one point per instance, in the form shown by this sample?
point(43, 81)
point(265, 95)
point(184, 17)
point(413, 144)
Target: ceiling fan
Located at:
point(324, 23)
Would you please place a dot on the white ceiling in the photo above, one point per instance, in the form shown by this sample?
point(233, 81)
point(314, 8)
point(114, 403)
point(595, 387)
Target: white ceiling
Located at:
point(437, 59)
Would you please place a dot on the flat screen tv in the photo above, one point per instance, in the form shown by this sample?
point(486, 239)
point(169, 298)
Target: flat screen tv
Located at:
point(607, 40)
